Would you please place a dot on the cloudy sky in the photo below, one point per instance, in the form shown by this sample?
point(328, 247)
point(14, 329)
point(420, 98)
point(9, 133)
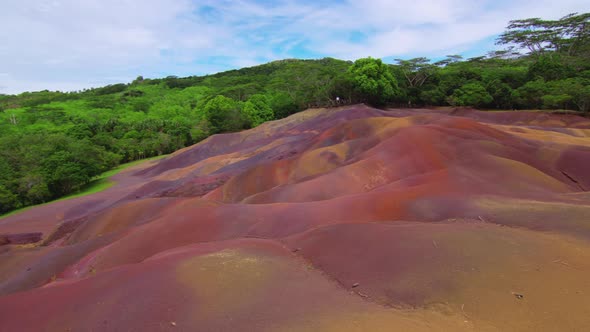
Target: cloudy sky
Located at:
point(73, 44)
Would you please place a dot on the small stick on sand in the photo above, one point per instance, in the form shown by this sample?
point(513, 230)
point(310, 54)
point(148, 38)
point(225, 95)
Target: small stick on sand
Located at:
point(559, 261)
point(480, 218)
point(435, 244)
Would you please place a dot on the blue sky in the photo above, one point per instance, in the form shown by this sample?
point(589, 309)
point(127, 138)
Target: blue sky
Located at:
point(74, 44)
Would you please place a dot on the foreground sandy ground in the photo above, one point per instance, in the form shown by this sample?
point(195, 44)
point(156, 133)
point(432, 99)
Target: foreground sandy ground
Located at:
point(349, 219)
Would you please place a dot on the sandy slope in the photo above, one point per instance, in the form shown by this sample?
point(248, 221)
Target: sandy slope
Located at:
point(350, 219)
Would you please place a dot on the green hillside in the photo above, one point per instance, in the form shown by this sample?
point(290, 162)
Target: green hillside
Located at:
point(53, 143)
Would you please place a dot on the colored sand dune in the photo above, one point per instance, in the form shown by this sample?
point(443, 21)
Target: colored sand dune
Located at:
point(349, 219)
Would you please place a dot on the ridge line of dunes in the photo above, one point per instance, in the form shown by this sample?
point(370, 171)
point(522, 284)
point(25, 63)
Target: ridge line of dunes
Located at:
point(348, 219)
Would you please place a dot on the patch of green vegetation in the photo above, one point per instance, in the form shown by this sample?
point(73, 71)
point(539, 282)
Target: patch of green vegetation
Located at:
point(98, 184)
point(15, 212)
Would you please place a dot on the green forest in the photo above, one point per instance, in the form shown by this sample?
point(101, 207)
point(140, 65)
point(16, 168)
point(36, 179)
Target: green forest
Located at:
point(54, 143)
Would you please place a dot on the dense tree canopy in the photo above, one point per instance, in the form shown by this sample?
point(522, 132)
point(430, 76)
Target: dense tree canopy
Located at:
point(223, 115)
point(257, 110)
point(373, 80)
point(470, 94)
point(568, 35)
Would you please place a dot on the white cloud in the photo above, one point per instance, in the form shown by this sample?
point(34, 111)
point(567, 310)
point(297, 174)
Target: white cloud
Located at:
point(68, 44)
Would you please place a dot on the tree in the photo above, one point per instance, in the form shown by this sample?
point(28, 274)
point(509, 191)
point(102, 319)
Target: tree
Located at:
point(531, 33)
point(433, 96)
point(531, 94)
point(283, 105)
point(501, 93)
point(416, 70)
point(8, 200)
point(33, 187)
point(509, 53)
point(571, 91)
point(471, 94)
point(110, 89)
point(257, 111)
point(556, 101)
point(549, 67)
point(63, 174)
point(569, 35)
point(373, 80)
point(138, 80)
point(223, 115)
point(140, 105)
point(448, 60)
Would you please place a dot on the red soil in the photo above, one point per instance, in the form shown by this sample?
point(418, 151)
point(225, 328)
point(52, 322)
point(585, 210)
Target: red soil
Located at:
point(342, 219)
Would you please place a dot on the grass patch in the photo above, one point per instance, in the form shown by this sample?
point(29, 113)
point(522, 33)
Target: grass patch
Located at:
point(16, 211)
point(97, 184)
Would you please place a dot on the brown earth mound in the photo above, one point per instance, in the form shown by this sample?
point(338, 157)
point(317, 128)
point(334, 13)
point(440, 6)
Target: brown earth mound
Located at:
point(349, 219)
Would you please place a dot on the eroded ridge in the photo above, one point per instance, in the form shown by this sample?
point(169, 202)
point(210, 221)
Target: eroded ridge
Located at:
point(343, 219)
